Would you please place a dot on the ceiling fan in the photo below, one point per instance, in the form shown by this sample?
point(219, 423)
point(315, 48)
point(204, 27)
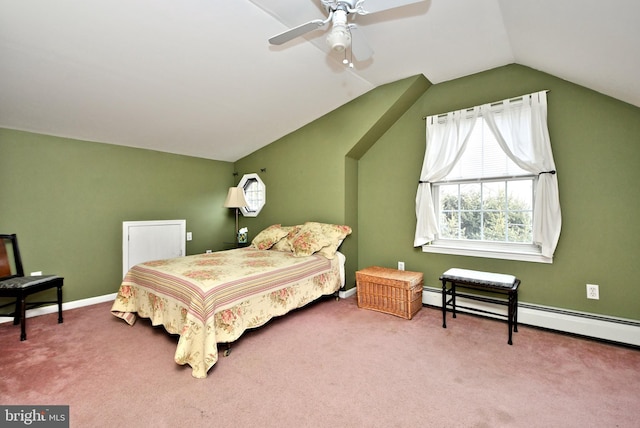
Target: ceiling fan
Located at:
point(343, 34)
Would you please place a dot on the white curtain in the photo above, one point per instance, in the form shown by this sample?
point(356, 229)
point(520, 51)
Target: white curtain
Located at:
point(446, 140)
point(520, 127)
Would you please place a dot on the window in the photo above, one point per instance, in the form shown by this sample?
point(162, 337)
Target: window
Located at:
point(499, 211)
point(255, 194)
point(486, 196)
point(480, 191)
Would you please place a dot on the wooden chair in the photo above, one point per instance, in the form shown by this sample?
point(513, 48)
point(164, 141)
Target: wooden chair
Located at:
point(14, 284)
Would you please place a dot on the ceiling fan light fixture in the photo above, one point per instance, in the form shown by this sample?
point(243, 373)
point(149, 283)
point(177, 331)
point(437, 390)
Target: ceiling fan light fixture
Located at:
point(339, 38)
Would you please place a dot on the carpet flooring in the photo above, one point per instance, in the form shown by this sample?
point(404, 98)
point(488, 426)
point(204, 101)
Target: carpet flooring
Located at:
point(329, 364)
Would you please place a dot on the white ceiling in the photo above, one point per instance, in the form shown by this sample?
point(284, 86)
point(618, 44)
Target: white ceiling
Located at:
point(198, 77)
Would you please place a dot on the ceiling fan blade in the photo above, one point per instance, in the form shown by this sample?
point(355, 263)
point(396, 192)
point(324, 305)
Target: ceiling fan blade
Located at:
point(360, 48)
point(296, 32)
point(372, 6)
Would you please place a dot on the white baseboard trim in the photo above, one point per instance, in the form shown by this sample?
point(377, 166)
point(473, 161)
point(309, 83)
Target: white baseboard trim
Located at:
point(348, 293)
point(65, 306)
point(611, 329)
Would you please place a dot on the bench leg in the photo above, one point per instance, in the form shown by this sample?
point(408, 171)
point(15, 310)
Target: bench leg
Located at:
point(515, 311)
point(23, 319)
point(512, 312)
point(444, 304)
point(59, 304)
point(453, 299)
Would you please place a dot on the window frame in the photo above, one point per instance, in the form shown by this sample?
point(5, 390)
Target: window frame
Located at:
point(489, 250)
point(481, 248)
point(247, 180)
point(446, 134)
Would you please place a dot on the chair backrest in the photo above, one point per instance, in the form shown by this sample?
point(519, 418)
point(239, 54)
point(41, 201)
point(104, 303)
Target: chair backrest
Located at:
point(10, 261)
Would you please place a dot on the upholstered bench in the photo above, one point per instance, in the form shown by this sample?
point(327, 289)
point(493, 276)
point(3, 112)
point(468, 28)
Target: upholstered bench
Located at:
point(486, 282)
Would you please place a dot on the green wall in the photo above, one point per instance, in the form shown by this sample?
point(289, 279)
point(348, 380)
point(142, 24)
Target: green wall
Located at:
point(596, 146)
point(357, 165)
point(311, 174)
point(67, 199)
point(595, 140)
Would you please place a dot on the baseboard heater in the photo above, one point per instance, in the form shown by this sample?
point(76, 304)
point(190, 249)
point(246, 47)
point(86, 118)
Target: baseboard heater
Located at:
point(611, 329)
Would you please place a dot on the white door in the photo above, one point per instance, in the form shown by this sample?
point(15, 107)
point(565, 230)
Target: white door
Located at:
point(143, 241)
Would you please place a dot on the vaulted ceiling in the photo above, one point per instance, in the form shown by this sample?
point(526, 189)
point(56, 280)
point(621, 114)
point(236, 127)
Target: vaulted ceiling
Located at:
point(198, 77)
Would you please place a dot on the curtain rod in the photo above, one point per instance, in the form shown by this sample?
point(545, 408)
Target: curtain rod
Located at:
point(495, 103)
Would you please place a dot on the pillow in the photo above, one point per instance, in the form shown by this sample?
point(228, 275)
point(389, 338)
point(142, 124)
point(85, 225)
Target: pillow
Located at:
point(336, 234)
point(322, 238)
point(308, 241)
point(330, 250)
point(284, 244)
point(268, 237)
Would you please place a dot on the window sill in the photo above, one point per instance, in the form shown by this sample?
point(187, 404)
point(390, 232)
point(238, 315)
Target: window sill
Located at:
point(523, 253)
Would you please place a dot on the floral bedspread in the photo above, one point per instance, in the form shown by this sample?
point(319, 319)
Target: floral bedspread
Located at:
point(213, 298)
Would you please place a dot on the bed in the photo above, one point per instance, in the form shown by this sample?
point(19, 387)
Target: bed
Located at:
point(213, 298)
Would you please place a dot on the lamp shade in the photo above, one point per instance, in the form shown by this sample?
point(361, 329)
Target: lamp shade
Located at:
point(235, 198)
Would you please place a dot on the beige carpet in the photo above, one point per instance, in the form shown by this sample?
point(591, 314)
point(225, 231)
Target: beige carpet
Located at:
point(327, 365)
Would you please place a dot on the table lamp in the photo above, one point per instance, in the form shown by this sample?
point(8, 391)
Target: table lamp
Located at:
point(235, 199)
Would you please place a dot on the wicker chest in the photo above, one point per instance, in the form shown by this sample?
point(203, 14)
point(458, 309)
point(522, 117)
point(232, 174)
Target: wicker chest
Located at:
point(392, 291)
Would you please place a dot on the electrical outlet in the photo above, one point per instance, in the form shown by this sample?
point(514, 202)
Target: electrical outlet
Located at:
point(593, 291)
point(400, 265)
